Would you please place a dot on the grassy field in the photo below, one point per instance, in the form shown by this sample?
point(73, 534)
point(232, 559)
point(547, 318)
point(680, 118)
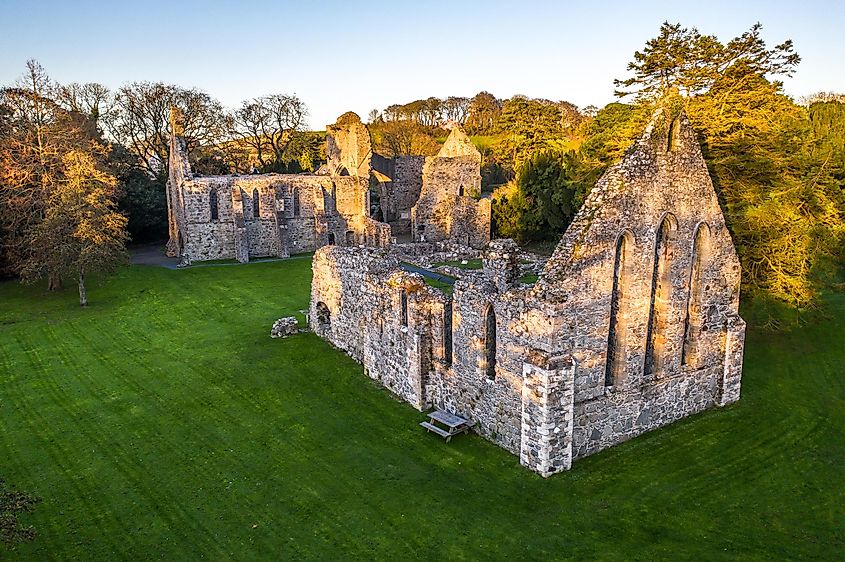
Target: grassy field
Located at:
point(164, 423)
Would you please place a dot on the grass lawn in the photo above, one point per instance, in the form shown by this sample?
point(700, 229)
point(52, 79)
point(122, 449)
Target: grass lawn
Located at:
point(474, 263)
point(164, 423)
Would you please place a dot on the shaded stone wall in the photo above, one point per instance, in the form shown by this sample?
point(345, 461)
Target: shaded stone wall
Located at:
point(400, 194)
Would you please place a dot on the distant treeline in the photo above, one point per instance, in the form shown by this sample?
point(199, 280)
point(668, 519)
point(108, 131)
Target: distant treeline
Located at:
point(778, 166)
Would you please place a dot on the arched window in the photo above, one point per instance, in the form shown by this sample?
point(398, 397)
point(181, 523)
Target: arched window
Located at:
point(447, 333)
point(331, 238)
point(620, 299)
point(295, 197)
point(403, 307)
point(256, 213)
point(461, 191)
point(661, 295)
point(350, 238)
point(213, 204)
point(694, 320)
point(673, 135)
point(490, 342)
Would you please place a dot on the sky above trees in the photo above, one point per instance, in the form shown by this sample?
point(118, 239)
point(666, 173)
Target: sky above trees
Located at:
point(339, 56)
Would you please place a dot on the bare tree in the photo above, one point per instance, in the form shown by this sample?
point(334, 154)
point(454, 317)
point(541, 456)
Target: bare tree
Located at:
point(455, 109)
point(91, 99)
point(268, 125)
point(139, 119)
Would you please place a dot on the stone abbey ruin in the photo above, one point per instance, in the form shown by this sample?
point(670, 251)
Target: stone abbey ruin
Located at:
point(247, 216)
point(632, 323)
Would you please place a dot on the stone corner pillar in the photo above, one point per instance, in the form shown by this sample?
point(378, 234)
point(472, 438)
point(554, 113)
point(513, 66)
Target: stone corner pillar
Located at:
point(548, 391)
point(729, 385)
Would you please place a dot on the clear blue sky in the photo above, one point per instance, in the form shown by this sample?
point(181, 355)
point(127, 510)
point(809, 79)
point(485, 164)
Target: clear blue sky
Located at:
point(340, 56)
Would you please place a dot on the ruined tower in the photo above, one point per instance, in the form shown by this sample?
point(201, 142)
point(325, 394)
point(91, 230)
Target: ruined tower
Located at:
point(449, 207)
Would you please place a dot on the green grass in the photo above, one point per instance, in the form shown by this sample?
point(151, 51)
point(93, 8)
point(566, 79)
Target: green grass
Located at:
point(529, 278)
point(474, 263)
point(164, 423)
point(447, 288)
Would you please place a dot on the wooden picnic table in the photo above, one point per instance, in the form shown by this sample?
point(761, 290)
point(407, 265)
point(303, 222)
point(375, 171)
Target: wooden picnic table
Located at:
point(454, 424)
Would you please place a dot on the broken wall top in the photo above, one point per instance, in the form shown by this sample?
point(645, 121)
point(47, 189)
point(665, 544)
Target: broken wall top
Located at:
point(348, 147)
point(662, 173)
point(458, 144)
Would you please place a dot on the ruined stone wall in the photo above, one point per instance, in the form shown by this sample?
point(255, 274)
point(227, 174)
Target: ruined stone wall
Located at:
point(633, 323)
point(207, 239)
point(401, 194)
point(447, 208)
point(407, 351)
point(662, 181)
point(296, 213)
point(348, 147)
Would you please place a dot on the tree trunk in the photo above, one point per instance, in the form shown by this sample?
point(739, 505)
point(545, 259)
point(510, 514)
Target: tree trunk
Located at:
point(83, 294)
point(54, 282)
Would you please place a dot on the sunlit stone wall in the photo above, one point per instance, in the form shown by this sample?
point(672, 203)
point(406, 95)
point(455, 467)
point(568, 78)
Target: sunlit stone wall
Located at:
point(448, 208)
point(296, 212)
point(633, 323)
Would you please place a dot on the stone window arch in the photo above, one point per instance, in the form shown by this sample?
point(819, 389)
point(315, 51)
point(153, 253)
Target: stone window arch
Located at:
point(620, 304)
point(331, 239)
point(350, 238)
point(461, 190)
point(661, 296)
point(694, 319)
point(403, 307)
point(256, 211)
point(295, 203)
point(490, 342)
point(214, 205)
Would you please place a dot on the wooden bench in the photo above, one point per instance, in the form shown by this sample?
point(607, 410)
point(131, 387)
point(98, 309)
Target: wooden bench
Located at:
point(454, 424)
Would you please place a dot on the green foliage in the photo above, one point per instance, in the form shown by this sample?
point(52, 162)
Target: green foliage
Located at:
point(13, 503)
point(526, 127)
point(141, 197)
point(551, 185)
point(186, 432)
point(683, 60)
point(781, 197)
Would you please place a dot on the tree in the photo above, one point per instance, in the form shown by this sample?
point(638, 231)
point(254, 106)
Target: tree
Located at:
point(781, 199)
point(482, 113)
point(527, 126)
point(81, 232)
point(541, 202)
point(455, 109)
point(779, 192)
point(12, 504)
point(91, 100)
point(35, 134)
point(684, 60)
point(267, 125)
point(403, 137)
point(139, 119)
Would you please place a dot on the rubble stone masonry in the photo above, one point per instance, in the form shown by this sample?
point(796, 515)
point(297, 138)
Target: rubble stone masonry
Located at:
point(632, 324)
